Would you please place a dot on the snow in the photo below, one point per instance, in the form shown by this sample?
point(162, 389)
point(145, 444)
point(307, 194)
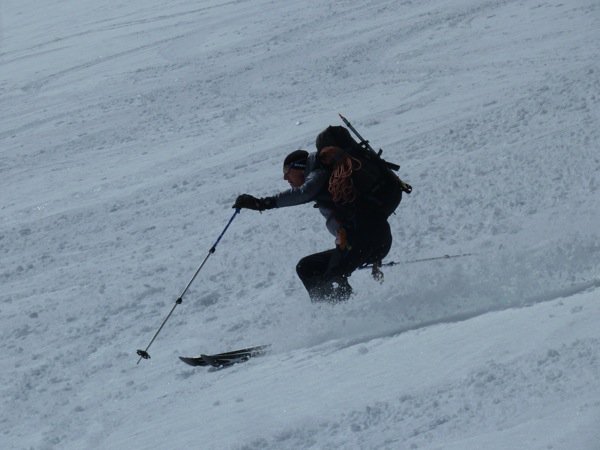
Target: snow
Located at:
point(127, 129)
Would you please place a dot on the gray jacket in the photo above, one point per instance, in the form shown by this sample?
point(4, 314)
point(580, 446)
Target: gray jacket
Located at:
point(315, 188)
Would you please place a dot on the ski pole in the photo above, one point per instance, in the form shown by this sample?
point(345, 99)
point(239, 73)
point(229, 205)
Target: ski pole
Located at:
point(435, 258)
point(144, 353)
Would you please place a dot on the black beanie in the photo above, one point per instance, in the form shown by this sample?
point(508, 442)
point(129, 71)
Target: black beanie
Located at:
point(297, 156)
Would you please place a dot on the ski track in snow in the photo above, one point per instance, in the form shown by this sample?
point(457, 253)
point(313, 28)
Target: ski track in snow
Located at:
point(126, 133)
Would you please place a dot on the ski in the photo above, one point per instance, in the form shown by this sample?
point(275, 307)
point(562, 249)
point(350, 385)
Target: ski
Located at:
point(221, 360)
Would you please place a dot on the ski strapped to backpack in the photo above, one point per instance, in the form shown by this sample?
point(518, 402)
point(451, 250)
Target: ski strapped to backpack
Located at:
point(359, 175)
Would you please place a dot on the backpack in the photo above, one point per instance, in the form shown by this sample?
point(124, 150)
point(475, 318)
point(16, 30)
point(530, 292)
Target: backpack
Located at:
point(360, 179)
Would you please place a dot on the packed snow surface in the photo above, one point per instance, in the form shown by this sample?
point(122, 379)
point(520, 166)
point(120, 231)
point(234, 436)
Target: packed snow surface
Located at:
point(127, 129)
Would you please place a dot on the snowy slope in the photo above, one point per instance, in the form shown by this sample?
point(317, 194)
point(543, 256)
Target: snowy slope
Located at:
point(127, 129)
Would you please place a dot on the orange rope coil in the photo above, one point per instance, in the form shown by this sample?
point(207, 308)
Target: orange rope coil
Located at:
point(341, 186)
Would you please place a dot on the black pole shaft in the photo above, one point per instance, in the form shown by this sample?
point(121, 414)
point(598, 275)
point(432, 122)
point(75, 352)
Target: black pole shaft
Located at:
point(144, 353)
point(210, 252)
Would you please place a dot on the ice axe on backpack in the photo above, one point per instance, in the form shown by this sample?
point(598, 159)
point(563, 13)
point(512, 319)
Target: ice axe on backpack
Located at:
point(407, 188)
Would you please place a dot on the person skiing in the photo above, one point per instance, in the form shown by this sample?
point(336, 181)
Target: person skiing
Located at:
point(362, 233)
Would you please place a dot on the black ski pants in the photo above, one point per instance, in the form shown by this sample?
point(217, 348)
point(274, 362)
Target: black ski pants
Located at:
point(325, 274)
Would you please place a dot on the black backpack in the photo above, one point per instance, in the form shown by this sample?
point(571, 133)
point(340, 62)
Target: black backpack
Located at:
point(376, 188)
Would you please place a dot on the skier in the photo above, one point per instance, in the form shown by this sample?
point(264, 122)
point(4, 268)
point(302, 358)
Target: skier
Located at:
point(362, 234)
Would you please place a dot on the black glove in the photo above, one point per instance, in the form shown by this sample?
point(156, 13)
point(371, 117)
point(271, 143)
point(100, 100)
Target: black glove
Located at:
point(246, 201)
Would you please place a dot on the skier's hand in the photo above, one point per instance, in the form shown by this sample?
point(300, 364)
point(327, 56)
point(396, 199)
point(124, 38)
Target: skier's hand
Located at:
point(247, 201)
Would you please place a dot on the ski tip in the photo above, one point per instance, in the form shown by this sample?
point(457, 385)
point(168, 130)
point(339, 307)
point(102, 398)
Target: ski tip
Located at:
point(194, 361)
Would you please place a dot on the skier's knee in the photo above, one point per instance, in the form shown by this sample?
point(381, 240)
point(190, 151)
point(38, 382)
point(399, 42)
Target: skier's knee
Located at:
point(301, 268)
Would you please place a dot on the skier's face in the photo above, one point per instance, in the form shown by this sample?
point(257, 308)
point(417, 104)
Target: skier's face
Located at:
point(294, 176)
